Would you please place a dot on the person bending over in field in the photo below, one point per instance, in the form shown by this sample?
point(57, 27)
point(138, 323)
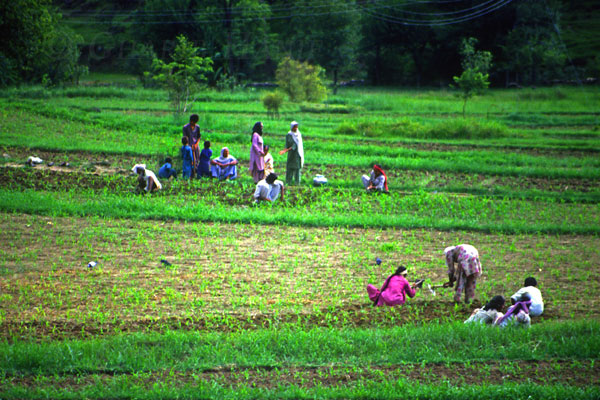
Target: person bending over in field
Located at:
point(147, 181)
point(530, 292)
point(394, 289)
point(464, 268)
point(377, 181)
point(204, 164)
point(268, 189)
point(489, 313)
point(224, 167)
point(167, 171)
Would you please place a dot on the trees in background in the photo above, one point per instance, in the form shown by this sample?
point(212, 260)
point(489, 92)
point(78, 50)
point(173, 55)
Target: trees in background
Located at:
point(35, 46)
point(397, 42)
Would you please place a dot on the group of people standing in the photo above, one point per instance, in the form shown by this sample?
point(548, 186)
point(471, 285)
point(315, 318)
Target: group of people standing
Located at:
point(463, 268)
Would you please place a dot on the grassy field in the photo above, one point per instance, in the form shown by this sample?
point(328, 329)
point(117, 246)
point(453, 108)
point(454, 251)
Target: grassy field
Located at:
point(270, 301)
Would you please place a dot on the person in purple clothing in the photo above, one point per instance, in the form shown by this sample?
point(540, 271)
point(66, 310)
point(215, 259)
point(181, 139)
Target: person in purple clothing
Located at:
point(394, 289)
point(192, 132)
point(188, 158)
point(204, 163)
point(257, 153)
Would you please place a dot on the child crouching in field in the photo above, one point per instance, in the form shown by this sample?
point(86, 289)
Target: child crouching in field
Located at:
point(489, 313)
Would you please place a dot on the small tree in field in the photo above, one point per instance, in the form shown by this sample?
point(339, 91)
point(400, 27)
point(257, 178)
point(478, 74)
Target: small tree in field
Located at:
point(183, 77)
point(476, 64)
point(300, 80)
point(272, 102)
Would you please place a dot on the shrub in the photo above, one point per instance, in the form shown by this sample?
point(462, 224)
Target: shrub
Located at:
point(328, 108)
point(272, 102)
point(301, 81)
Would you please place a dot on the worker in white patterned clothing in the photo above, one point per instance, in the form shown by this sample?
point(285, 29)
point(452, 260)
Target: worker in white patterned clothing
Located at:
point(465, 273)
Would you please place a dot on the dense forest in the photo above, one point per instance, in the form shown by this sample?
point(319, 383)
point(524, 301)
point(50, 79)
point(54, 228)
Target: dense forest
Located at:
point(380, 42)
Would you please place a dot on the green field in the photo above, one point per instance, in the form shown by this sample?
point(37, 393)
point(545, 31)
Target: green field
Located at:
point(270, 301)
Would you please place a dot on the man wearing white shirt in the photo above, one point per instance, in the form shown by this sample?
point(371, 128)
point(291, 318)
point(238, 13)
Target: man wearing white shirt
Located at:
point(530, 292)
point(268, 189)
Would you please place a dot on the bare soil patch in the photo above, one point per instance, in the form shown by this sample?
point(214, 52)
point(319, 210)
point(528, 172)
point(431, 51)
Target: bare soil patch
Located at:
point(233, 276)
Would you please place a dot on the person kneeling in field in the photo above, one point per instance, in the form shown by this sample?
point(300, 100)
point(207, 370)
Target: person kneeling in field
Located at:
point(147, 181)
point(530, 292)
point(489, 313)
point(377, 181)
point(394, 289)
point(268, 189)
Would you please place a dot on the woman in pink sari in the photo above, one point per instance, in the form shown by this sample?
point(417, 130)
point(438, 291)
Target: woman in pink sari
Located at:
point(394, 290)
point(257, 153)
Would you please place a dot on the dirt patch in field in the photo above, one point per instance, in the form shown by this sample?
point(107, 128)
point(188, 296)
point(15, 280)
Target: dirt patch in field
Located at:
point(230, 277)
point(572, 373)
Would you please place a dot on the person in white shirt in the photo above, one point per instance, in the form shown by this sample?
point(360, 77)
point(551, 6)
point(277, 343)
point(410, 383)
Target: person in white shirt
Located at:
point(530, 292)
point(146, 178)
point(268, 189)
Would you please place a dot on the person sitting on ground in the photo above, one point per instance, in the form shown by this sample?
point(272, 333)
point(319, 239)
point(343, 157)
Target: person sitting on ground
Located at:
point(377, 181)
point(167, 171)
point(489, 313)
point(188, 158)
point(204, 164)
point(268, 189)
point(394, 289)
point(147, 181)
point(516, 315)
point(530, 292)
point(269, 169)
point(464, 268)
point(224, 167)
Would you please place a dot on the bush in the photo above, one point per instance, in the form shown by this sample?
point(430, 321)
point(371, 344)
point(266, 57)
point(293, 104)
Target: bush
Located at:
point(301, 81)
point(272, 102)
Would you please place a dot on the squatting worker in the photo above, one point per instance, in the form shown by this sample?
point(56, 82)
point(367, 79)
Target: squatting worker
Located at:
point(464, 268)
point(295, 154)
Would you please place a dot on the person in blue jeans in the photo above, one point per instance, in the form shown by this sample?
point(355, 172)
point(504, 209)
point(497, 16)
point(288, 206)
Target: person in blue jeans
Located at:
point(188, 158)
point(204, 164)
point(167, 170)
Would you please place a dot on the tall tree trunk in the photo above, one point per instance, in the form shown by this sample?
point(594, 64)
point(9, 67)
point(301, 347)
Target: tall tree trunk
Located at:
point(335, 81)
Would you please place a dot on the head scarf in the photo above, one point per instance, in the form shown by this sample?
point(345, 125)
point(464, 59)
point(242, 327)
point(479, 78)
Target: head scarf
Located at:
point(257, 128)
point(223, 159)
point(136, 166)
point(378, 169)
point(297, 136)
